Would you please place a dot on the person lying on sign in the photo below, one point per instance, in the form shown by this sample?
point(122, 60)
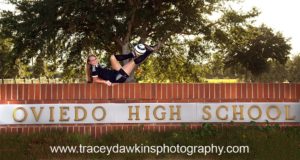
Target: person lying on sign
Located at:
point(118, 74)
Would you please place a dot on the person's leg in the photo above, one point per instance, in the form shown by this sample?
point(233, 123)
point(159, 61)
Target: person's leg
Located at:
point(142, 57)
point(126, 70)
point(115, 64)
point(122, 57)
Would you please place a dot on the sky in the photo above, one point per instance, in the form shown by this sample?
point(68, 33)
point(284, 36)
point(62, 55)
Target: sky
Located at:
point(280, 15)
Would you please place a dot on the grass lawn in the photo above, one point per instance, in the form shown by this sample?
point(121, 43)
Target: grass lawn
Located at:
point(268, 142)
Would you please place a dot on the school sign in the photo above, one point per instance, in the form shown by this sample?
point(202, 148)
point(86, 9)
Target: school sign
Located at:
point(149, 113)
point(97, 109)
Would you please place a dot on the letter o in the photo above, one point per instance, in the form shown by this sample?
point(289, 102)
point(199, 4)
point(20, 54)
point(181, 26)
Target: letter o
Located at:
point(259, 112)
point(21, 119)
point(278, 112)
point(103, 111)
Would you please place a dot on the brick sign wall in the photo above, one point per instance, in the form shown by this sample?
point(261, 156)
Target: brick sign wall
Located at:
point(137, 93)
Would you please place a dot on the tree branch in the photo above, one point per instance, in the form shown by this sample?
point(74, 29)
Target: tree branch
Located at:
point(130, 2)
point(134, 5)
point(118, 41)
point(144, 33)
point(130, 26)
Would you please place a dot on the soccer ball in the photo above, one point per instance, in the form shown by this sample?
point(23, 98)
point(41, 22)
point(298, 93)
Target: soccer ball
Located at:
point(139, 49)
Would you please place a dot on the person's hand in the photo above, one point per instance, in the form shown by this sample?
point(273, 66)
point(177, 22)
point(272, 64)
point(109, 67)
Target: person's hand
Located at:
point(108, 83)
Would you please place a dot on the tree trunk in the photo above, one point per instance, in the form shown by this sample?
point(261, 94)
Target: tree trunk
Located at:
point(126, 50)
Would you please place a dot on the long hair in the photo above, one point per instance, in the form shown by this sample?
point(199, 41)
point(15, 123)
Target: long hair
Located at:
point(88, 69)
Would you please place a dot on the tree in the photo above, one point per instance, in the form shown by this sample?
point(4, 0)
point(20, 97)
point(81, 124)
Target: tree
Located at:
point(252, 48)
point(66, 31)
point(276, 72)
point(234, 48)
point(174, 68)
point(293, 67)
point(6, 69)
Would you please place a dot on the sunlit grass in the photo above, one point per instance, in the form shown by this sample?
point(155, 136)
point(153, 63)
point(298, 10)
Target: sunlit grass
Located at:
point(221, 80)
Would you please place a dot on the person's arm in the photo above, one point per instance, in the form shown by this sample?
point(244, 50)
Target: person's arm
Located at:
point(99, 80)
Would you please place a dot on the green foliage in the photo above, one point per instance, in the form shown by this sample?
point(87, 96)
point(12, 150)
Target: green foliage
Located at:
point(6, 69)
point(67, 30)
point(52, 38)
point(276, 72)
point(254, 47)
point(293, 67)
point(173, 64)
